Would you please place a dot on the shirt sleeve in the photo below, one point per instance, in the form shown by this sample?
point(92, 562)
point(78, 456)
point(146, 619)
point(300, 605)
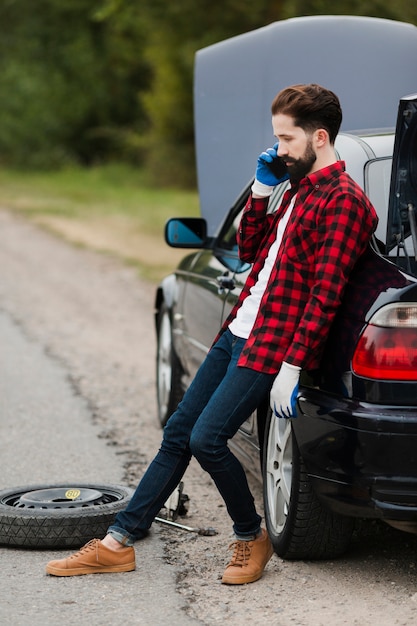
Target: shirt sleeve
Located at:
point(344, 229)
point(253, 227)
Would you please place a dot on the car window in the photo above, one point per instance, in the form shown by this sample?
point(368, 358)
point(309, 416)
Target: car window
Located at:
point(277, 195)
point(226, 250)
point(227, 242)
point(377, 186)
point(227, 239)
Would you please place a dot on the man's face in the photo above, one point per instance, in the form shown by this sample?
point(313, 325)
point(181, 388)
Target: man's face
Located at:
point(295, 146)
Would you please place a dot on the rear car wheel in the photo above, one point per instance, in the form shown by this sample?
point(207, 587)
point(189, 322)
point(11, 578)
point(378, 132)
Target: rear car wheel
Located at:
point(168, 369)
point(59, 516)
point(298, 525)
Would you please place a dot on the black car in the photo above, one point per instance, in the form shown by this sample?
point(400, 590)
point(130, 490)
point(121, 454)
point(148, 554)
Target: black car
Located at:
point(352, 450)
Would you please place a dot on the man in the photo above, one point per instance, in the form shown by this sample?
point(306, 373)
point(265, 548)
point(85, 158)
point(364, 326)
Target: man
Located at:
point(302, 256)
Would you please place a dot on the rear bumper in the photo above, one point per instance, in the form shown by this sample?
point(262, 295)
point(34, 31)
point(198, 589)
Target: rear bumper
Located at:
point(361, 458)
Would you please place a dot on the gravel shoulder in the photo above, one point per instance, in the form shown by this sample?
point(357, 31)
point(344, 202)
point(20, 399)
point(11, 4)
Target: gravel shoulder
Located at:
point(93, 317)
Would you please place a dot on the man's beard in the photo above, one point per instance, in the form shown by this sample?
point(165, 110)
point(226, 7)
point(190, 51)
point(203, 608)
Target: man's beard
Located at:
point(298, 168)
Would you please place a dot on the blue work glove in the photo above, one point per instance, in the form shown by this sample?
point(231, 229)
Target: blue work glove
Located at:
point(271, 170)
point(283, 396)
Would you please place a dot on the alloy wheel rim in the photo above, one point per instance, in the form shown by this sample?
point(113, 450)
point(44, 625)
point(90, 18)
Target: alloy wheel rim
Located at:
point(278, 474)
point(164, 364)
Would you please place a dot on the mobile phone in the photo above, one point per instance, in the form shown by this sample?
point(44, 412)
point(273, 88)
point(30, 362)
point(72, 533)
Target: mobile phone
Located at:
point(277, 167)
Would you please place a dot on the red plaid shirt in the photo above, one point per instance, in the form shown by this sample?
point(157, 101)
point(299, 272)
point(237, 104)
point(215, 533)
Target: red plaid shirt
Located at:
point(329, 228)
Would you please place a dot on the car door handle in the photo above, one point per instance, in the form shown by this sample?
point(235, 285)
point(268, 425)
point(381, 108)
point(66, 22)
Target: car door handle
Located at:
point(225, 282)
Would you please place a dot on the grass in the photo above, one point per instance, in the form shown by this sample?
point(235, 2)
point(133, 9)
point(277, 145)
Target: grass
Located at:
point(109, 208)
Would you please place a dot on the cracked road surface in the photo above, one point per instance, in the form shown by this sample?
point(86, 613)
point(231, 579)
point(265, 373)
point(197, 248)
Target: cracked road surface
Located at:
point(77, 401)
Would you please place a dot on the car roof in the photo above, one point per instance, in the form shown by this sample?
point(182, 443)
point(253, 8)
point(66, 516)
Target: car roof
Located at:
point(358, 151)
point(368, 62)
point(358, 148)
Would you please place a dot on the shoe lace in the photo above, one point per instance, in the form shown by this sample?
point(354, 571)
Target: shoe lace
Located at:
point(241, 554)
point(91, 545)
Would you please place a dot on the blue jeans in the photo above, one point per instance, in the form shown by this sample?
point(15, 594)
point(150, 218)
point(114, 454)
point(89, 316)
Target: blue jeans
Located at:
point(220, 398)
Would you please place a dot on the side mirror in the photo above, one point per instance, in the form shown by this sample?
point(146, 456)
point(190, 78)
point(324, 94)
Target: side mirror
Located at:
point(186, 232)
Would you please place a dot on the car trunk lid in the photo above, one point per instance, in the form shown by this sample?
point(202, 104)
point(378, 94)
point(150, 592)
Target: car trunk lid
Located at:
point(402, 211)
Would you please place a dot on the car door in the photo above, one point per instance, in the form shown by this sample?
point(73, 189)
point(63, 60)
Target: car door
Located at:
point(203, 300)
point(205, 284)
point(242, 270)
point(243, 443)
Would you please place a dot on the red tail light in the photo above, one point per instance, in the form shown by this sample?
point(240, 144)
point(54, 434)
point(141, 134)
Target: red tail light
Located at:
point(387, 348)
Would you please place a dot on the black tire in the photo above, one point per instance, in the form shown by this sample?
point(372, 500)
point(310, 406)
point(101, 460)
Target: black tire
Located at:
point(59, 516)
point(168, 369)
point(299, 526)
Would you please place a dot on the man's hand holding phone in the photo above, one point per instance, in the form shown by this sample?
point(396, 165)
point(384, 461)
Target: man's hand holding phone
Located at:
point(270, 171)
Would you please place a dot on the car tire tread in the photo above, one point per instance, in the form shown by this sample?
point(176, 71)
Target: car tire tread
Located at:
point(44, 528)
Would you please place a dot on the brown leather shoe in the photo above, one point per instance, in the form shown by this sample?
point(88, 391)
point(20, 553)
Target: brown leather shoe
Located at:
point(94, 558)
point(248, 560)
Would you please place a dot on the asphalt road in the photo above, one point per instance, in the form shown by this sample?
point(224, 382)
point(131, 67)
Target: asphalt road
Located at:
point(77, 403)
point(47, 437)
point(49, 433)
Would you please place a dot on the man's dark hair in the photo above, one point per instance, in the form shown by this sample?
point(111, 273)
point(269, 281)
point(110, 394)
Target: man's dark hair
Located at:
point(311, 107)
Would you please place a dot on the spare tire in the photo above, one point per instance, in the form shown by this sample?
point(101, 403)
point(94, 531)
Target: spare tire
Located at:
point(59, 516)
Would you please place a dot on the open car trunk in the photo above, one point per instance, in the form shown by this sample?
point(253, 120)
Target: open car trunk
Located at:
point(402, 212)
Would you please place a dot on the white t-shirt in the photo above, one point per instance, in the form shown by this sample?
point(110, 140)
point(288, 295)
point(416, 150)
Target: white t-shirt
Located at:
point(243, 323)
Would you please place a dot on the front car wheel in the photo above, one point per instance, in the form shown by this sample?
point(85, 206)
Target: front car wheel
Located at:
point(168, 368)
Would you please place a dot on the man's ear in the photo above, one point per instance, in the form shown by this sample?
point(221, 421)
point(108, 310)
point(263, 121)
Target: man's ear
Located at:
point(321, 137)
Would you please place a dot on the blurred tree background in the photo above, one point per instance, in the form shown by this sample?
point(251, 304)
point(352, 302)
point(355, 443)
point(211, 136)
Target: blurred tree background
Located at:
point(94, 81)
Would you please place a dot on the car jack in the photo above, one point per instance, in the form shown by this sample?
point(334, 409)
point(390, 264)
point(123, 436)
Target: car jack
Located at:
point(176, 505)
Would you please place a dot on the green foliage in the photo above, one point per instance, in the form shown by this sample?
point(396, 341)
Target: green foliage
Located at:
point(90, 81)
point(177, 31)
point(67, 85)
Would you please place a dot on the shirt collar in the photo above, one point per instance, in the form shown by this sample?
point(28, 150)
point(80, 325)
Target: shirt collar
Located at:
point(322, 176)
